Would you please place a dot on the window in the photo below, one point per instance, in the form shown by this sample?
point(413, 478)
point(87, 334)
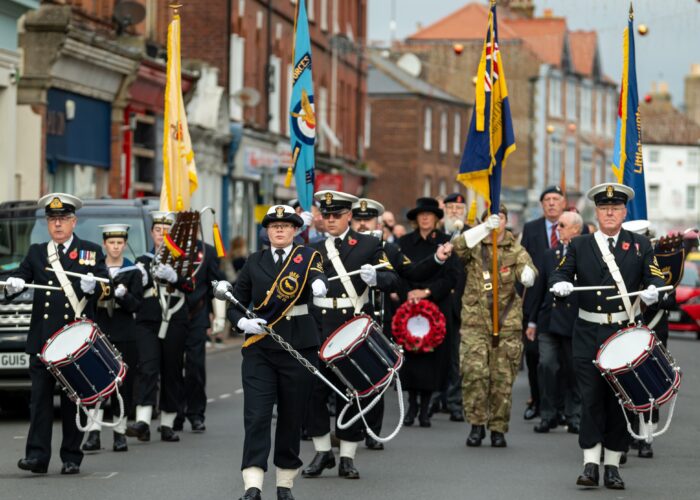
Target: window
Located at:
point(324, 15)
point(554, 96)
point(288, 118)
point(693, 158)
point(443, 132)
point(457, 135)
point(322, 118)
point(599, 112)
point(368, 125)
point(335, 12)
point(570, 163)
point(690, 197)
point(654, 196)
point(653, 156)
point(586, 169)
point(236, 73)
point(310, 10)
point(427, 186)
point(275, 95)
point(571, 100)
point(586, 97)
point(555, 160)
point(428, 129)
point(442, 187)
point(611, 113)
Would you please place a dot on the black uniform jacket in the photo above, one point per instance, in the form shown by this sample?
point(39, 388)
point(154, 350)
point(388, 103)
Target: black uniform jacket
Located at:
point(584, 262)
point(120, 325)
point(255, 279)
point(51, 309)
point(554, 315)
point(199, 300)
point(150, 309)
point(355, 250)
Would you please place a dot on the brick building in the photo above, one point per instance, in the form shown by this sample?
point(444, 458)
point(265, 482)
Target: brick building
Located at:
point(415, 137)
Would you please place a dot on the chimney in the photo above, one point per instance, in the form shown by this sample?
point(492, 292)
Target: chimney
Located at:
point(692, 93)
point(523, 9)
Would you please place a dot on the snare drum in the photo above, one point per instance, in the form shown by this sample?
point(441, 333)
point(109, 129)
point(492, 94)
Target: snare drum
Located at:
point(361, 356)
point(639, 368)
point(84, 362)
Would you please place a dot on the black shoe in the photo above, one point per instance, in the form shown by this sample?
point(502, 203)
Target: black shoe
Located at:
point(120, 442)
point(477, 433)
point(178, 424)
point(545, 426)
point(70, 468)
point(322, 460)
point(92, 443)
point(634, 445)
point(139, 430)
point(531, 412)
point(590, 476)
point(561, 419)
point(573, 428)
point(33, 465)
point(498, 439)
point(305, 435)
point(456, 416)
point(197, 425)
point(424, 421)
point(612, 479)
point(168, 434)
point(623, 458)
point(645, 450)
point(373, 444)
point(284, 494)
point(251, 494)
point(347, 469)
point(410, 416)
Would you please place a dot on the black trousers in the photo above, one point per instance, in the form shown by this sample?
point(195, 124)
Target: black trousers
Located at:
point(41, 418)
point(162, 358)
point(532, 359)
point(555, 374)
point(318, 420)
point(375, 417)
point(194, 401)
point(272, 376)
point(602, 418)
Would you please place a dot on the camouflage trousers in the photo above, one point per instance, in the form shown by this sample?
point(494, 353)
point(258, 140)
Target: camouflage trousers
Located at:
point(488, 375)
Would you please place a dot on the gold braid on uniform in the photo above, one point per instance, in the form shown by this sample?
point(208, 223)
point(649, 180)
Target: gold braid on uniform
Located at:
point(385, 260)
point(106, 290)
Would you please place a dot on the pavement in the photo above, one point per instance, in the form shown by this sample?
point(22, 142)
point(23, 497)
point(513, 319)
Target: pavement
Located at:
point(419, 463)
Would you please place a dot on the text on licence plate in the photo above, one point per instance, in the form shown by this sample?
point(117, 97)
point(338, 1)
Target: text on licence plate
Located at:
point(10, 360)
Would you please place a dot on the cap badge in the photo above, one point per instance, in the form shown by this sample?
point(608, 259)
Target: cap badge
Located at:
point(610, 192)
point(329, 198)
point(56, 203)
point(363, 205)
point(279, 211)
point(460, 199)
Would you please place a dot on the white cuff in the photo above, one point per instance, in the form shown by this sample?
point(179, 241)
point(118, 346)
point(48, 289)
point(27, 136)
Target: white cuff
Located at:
point(253, 477)
point(322, 443)
point(285, 477)
point(348, 449)
point(167, 419)
point(144, 414)
point(440, 262)
point(611, 457)
point(592, 455)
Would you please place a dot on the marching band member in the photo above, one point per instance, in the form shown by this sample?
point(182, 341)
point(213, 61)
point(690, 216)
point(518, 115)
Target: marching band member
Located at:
point(279, 281)
point(343, 251)
point(159, 357)
point(50, 312)
point(365, 220)
point(610, 256)
point(489, 370)
point(115, 317)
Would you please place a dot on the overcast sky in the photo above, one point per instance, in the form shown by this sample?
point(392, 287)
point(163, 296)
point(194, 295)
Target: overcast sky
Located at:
point(665, 54)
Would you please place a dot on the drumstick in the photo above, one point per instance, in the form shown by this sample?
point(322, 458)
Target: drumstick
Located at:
point(32, 285)
point(78, 275)
point(353, 273)
point(589, 288)
point(632, 294)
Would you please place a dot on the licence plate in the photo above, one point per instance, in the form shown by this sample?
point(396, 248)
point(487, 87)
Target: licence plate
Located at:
point(674, 316)
point(13, 360)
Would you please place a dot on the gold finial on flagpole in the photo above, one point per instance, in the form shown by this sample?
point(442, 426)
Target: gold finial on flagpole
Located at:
point(175, 7)
point(493, 2)
point(631, 12)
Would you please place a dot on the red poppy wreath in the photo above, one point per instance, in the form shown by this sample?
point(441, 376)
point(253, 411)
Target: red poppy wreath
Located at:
point(418, 327)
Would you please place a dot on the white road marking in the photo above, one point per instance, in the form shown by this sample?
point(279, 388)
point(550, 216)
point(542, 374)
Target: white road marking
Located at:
point(225, 396)
point(239, 391)
point(211, 400)
point(18, 437)
point(101, 475)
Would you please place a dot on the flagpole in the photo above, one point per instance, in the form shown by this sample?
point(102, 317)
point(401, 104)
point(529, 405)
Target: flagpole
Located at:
point(175, 16)
point(494, 234)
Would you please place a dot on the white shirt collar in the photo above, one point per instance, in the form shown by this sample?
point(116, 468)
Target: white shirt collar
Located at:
point(342, 236)
point(287, 251)
point(605, 237)
point(66, 244)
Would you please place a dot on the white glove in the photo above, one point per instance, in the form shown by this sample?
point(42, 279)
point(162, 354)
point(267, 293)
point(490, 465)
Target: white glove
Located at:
point(650, 295)
point(87, 284)
point(144, 273)
point(14, 285)
point(218, 325)
point(120, 291)
point(166, 272)
point(493, 221)
point(307, 217)
point(562, 288)
point(527, 277)
point(253, 326)
point(368, 275)
point(318, 288)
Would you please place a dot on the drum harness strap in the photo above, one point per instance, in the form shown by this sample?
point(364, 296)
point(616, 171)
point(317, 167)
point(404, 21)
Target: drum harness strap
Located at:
point(77, 305)
point(334, 257)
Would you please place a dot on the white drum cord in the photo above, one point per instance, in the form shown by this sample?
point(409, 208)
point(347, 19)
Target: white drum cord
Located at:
point(646, 432)
point(92, 420)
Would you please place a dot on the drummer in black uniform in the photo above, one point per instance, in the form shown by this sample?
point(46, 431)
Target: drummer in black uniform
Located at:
point(348, 251)
point(51, 311)
point(365, 220)
point(158, 357)
point(115, 317)
point(603, 424)
point(279, 282)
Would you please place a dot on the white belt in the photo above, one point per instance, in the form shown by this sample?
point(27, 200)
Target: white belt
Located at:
point(335, 303)
point(299, 310)
point(603, 318)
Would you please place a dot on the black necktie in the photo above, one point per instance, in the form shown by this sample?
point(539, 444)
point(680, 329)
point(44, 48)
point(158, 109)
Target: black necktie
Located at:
point(611, 244)
point(60, 249)
point(280, 258)
point(338, 242)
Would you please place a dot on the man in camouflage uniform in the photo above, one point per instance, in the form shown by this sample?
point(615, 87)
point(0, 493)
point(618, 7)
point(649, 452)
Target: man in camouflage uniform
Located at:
point(489, 371)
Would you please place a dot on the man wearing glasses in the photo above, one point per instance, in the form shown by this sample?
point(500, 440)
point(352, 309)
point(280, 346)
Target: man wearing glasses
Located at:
point(343, 251)
point(610, 256)
point(51, 311)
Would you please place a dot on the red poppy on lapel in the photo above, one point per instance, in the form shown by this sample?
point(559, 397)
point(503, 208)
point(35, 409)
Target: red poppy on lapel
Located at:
point(352, 242)
point(625, 245)
point(298, 259)
point(73, 255)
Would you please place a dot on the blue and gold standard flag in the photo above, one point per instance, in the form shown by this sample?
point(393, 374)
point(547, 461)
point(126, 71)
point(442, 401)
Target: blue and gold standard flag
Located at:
point(627, 165)
point(302, 130)
point(490, 139)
